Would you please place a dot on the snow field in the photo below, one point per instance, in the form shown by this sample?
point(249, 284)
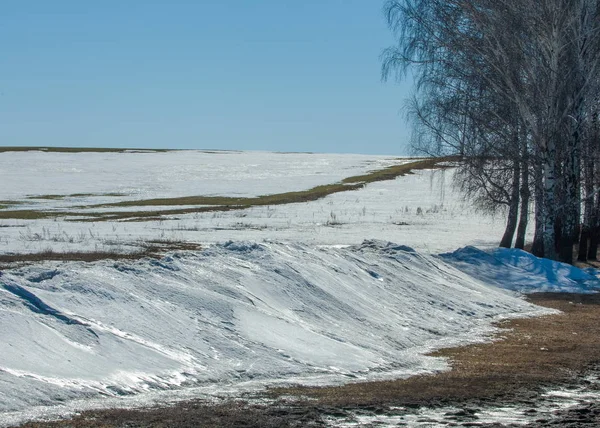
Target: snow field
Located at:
point(420, 210)
point(171, 174)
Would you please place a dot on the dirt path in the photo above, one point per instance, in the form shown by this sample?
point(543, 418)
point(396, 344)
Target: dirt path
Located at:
point(533, 355)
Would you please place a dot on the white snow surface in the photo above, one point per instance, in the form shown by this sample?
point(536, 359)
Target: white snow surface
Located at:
point(288, 293)
point(420, 210)
point(235, 312)
point(174, 173)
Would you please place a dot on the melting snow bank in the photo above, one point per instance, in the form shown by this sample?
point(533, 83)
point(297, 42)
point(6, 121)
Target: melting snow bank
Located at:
point(234, 313)
point(521, 271)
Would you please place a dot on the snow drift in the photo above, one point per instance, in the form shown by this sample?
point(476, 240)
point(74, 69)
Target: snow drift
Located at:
point(521, 271)
point(234, 312)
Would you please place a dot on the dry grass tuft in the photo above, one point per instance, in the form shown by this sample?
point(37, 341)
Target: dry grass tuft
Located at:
point(151, 249)
point(29, 214)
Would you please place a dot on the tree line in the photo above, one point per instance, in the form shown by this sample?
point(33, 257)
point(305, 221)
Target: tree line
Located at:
point(511, 86)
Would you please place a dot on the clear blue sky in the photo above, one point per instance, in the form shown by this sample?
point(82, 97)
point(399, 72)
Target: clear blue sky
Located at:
point(227, 74)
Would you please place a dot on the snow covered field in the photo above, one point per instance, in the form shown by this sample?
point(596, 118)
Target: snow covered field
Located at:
point(174, 173)
point(418, 210)
point(308, 292)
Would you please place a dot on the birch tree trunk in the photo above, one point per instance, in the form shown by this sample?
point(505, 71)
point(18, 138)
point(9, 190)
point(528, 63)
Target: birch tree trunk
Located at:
point(588, 205)
point(513, 209)
point(524, 211)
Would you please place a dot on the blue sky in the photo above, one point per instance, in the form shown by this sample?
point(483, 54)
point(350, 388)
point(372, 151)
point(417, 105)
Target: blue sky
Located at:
point(240, 74)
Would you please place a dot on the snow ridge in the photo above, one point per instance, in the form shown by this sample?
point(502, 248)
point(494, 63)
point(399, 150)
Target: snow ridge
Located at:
point(235, 312)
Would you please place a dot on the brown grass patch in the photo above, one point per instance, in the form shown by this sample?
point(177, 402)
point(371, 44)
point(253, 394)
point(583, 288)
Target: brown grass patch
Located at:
point(29, 214)
point(192, 415)
point(8, 204)
point(212, 201)
point(392, 172)
point(318, 192)
point(152, 249)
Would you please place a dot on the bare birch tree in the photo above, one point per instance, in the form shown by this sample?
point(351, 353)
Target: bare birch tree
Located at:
point(505, 82)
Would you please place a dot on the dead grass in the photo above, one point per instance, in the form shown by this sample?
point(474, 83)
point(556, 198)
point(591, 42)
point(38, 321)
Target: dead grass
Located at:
point(8, 204)
point(86, 195)
point(29, 214)
point(48, 197)
point(154, 215)
point(193, 415)
point(219, 203)
point(203, 203)
point(212, 201)
point(151, 249)
point(395, 171)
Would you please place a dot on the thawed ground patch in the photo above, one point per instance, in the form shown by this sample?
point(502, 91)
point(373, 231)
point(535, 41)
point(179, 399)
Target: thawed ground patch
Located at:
point(232, 313)
point(576, 405)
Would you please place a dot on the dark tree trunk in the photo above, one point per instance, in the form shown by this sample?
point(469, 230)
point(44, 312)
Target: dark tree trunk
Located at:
point(571, 218)
point(594, 241)
point(559, 240)
point(565, 250)
point(523, 219)
point(594, 231)
point(582, 255)
point(513, 209)
point(537, 248)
